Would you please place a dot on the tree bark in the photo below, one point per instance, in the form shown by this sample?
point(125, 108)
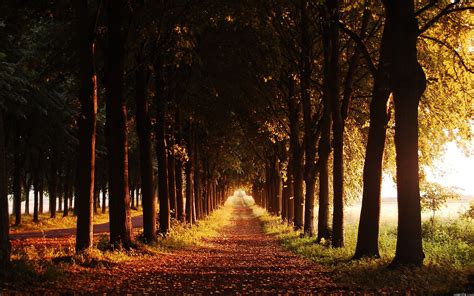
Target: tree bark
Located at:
point(36, 193)
point(172, 181)
point(116, 130)
point(407, 92)
point(179, 189)
point(5, 247)
point(367, 238)
point(67, 189)
point(333, 86)
point(41, 191)
point(324, 149)
point(146, 156)
point(197, 176)
point(189, 192)
point(87, 129)
point(17, 182)
point(296, 157)
point(26, 188)
point(53, 183)
point(163, 193)
point(310, 167)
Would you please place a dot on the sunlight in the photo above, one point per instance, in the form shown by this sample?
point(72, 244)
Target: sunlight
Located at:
point(454, 169)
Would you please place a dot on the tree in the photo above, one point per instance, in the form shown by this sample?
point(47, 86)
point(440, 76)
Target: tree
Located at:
point(87, 127)
point(146, 159)
point(434, 196)
point(116, 130)
point(407, 91)
point(5, 247)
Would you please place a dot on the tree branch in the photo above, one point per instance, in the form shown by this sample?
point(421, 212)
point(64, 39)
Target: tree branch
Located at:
point(447, 10)
point(450, 47)
point(360, 43)
point(426, 7)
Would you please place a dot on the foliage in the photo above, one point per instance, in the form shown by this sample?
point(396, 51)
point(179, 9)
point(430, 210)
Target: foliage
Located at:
point(434, 196)
point(469, 214)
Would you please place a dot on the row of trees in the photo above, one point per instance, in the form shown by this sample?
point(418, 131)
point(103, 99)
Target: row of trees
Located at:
point(181, 100)
point(329, 50)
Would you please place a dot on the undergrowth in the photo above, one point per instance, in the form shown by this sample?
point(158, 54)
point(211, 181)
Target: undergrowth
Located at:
point(449, 261)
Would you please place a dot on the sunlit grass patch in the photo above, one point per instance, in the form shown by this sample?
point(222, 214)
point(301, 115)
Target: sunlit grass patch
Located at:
point(448, 249)
point(183, 235)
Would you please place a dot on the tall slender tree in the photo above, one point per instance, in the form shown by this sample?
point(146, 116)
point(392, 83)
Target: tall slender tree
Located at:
point(87, 126)
point(5, 247)
point(116, 129)
point(145, 146)
point(407, 92)
point(163, 194)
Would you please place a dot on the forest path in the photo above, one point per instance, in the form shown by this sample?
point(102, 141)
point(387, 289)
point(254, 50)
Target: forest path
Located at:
point(241, 259)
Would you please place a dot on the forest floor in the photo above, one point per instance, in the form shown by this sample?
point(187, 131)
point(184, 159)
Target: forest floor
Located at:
point(239, 259)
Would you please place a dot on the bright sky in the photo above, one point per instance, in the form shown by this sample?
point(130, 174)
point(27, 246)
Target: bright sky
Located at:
point(454, 169)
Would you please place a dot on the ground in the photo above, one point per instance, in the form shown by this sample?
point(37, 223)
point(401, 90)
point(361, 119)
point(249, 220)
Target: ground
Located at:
point(241, 258)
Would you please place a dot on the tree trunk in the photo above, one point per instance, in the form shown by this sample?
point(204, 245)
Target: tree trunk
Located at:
point(407, 91)
point(189, 191)
point(163, 194)
point(146, 156)
point(53, 183)
point(172, 182)
point(368, 233)
point(27, 187)
point(324, 149)
point(179, 189)
point(41, 192)
point(87, 129)
point(5, 246)
point(197, 177)
point(332, 87)
point(116, 131)
point(36, 194)
point(67, 189)
point(278, 187)
point(104, 190)
point(104, 199)
point(310, 168)
point(17, 182)
point(296, 157)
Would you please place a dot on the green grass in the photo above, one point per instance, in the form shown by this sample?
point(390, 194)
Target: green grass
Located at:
point(183, 235)
point(448, 248)
point(60, 222)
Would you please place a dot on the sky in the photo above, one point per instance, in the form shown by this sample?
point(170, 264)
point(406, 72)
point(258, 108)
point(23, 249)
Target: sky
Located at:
point(456, 170)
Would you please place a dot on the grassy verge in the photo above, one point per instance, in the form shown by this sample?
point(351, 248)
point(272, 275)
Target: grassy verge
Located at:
point(449, 262)
point(60, 222)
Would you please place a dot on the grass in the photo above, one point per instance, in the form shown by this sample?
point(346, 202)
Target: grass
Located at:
point(183, 235)
point(448, 248)
point(60, 222)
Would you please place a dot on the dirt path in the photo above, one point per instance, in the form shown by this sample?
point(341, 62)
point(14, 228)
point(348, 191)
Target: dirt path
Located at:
point(242, 259)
